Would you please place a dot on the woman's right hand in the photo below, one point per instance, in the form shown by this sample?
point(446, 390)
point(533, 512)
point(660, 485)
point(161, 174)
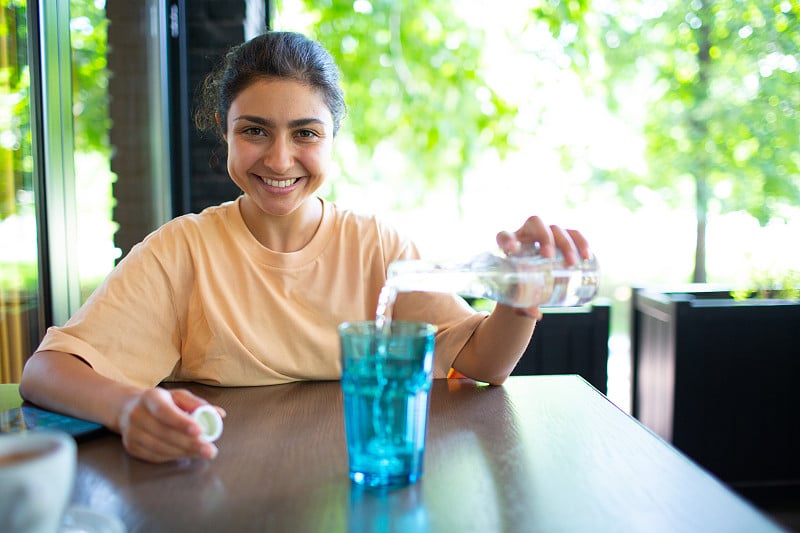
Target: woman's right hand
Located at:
point(156, 426)
point(155, 423)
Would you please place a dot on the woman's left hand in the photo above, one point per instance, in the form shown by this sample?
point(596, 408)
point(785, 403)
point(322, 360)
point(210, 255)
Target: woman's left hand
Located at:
point(549, 238)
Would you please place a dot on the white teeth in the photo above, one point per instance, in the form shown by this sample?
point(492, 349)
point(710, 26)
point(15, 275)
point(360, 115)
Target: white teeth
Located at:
point(279, 183)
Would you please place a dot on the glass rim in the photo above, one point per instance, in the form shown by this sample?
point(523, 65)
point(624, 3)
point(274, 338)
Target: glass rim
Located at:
point(413, 327)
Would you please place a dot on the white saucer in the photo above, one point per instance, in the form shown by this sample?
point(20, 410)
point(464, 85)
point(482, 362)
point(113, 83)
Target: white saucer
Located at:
point(84, 520)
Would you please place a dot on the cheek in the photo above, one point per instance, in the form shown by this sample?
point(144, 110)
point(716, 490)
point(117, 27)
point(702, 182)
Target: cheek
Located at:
point(320, 159)
point(240, 155)
point(238, 163)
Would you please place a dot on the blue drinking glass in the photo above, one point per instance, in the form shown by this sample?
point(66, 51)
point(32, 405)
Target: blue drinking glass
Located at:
point(386, 380)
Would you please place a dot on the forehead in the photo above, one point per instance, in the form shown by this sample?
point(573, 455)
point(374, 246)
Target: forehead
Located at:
point(280, 100)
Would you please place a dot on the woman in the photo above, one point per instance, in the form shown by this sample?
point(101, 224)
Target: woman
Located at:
point(250, 292)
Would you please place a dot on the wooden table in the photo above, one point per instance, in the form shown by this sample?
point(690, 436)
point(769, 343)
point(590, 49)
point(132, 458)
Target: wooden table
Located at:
point(543, 453)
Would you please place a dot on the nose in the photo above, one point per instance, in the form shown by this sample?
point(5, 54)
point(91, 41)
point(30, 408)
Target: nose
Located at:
point(278, 156)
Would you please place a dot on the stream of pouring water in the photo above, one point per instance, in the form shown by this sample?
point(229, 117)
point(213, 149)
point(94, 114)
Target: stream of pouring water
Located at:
point(383, 324)
point(383, 313)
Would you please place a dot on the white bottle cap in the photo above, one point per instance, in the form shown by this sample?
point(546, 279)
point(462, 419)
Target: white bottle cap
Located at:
point(209, 421)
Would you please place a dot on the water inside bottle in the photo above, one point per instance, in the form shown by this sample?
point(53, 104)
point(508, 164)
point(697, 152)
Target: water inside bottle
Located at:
point(530, 281)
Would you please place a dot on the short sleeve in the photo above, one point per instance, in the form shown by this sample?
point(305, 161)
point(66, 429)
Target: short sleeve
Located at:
point(128, 329)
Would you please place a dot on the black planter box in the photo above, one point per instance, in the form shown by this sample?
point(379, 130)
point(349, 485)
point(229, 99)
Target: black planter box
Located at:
point(719, 379)
point(570, 341)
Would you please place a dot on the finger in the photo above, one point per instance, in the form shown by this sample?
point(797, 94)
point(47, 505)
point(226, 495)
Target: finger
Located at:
point(508, 242)
point(163, 407)
point(167, 422)
point(580, 242)
point(156, 449)
point(151, 447)
point(565, 243)
point(189, 402)
point(532, 231)
point(146, 437)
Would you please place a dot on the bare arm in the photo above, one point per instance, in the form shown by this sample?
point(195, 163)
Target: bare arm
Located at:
point(496, 346)
point(65, 383)
point(154, 423)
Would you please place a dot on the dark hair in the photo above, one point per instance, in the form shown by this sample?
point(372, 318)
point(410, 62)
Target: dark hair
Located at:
point(284, 55)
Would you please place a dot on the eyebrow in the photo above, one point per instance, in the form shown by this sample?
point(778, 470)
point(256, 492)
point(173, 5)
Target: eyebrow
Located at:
point(269, 123)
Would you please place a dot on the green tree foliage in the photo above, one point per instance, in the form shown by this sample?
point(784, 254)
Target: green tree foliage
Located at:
point(722, 94)
point(88, 27)
point(412, 76)
point(88, 41)
point(15, 159)
point(723, 109)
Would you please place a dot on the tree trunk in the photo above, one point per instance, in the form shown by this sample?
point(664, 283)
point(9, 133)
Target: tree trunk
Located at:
point(700, 135)
point(701, 198)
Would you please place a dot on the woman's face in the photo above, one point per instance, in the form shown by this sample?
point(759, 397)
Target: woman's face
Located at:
point(280, 137)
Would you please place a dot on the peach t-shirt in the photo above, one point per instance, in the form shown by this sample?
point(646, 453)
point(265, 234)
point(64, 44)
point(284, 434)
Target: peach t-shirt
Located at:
point(200, 299)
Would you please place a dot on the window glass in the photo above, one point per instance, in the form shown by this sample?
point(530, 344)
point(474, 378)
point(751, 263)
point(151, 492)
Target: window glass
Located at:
point(91, 124)
point(116, 148)
point(19, 323)
point(120, 118)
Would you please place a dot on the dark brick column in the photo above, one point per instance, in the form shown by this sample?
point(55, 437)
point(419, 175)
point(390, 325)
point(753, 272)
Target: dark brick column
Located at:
point(211, 27)
point(130, 113)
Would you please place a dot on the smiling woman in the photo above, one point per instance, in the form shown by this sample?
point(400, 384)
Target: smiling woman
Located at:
point(278, 120)
point(251, 291)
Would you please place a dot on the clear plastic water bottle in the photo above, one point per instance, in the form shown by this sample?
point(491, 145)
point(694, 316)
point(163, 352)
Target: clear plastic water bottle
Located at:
point(520, 280)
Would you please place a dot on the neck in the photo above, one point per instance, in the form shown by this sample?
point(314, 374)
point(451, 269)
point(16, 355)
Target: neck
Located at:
point(286, 233)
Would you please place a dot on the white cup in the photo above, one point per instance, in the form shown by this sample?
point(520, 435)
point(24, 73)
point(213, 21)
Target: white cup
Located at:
point(37, 473)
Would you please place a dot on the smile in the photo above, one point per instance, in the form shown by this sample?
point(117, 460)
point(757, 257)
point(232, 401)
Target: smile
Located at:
point(279, 183)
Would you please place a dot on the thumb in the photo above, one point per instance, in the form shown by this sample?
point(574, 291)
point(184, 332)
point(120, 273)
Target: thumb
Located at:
point(186, 400)
point(189, 402)
point(508, 242)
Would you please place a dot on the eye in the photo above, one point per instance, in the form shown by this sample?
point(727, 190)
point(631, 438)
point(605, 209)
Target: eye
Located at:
point(254, 131)
point(306, 134)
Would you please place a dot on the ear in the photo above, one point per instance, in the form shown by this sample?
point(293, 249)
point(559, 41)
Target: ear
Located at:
point(219, 125)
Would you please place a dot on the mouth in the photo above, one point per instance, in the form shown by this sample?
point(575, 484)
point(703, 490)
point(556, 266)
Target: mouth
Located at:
point(280, 184)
